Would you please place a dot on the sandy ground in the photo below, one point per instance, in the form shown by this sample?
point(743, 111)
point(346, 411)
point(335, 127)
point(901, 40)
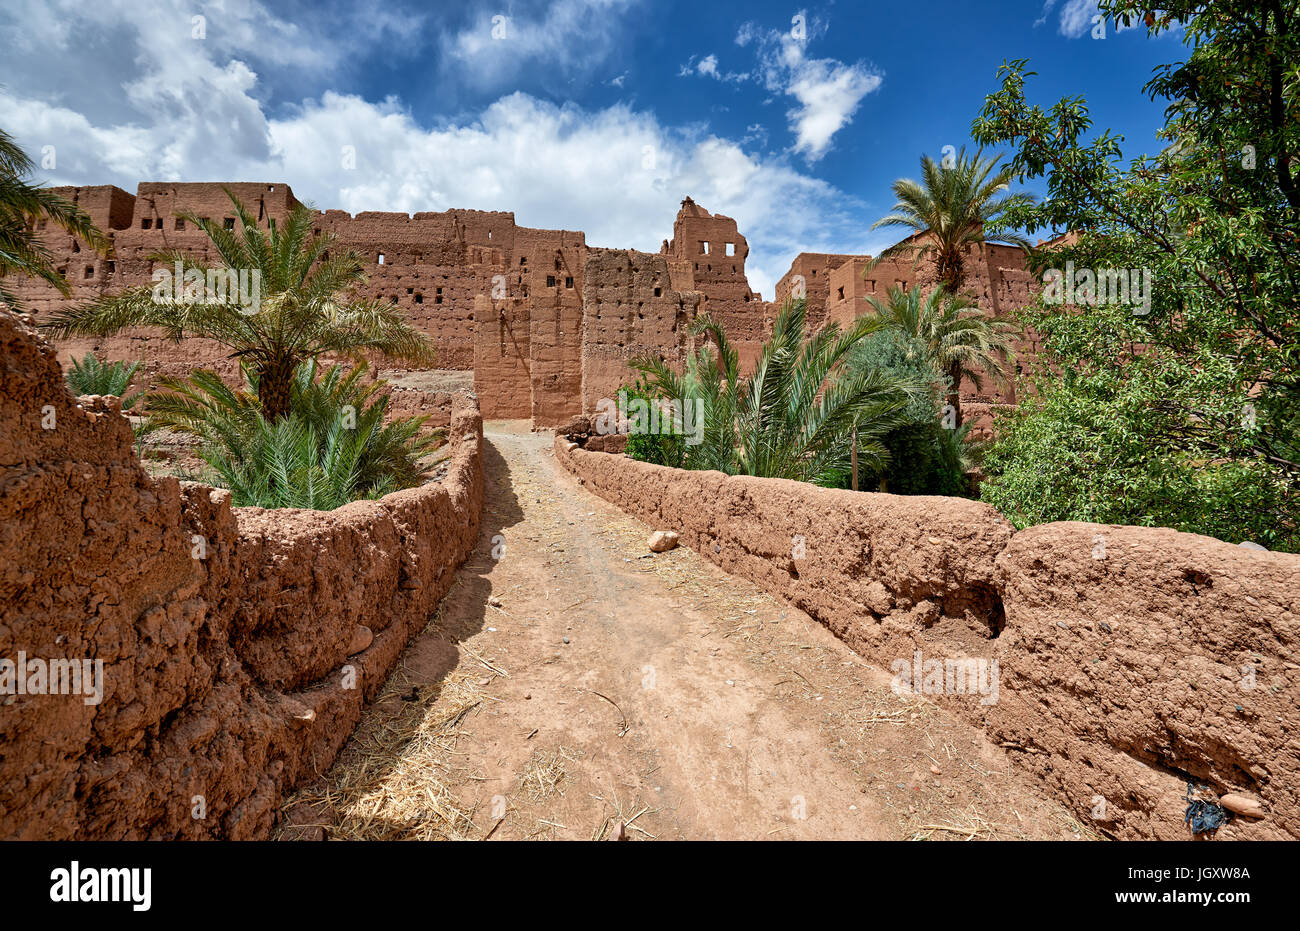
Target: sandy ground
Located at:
point(575, 686)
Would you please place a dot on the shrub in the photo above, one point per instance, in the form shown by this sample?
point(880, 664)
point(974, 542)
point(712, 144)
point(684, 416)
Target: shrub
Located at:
point(658, 448)
point(1173, 403)
point(333, 448)
point(795, 416)
point(924, 457)
point(90, 376)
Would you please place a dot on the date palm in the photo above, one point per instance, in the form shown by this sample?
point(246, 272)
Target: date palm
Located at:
point(306, 308)
point(948, 210)
point(961, 340)
point(22, 206)
point(798, 414)
point(337, 445)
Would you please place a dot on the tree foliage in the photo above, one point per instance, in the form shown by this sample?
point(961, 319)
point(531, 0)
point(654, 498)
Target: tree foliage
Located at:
point(925, 456)
point(950, 209)
point(24, 205)
point(333, 448)
point(91, 376)
point(795, 416)
point(959, 339)
point(1184, 416)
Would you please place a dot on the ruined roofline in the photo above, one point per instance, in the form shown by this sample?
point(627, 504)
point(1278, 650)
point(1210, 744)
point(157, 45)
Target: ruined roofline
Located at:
point(59, 188)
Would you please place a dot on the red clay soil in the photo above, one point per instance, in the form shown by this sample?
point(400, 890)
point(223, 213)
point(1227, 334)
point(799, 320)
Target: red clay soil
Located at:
point(579, 682)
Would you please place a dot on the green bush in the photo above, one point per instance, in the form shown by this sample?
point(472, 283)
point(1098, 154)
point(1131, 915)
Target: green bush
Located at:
point(1173, 402)
point(91, 376)
point(796, 414)
point(660, 449)
point(924, 457)
point(1073, 452)
point(333, 448)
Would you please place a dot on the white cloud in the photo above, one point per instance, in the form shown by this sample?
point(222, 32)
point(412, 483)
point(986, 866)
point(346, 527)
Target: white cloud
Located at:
point(1077, 18)
point(1047, 10)
point(200, 113)
point(707, 67)
point(554, 166)
point(574, 36)
point(828, 91)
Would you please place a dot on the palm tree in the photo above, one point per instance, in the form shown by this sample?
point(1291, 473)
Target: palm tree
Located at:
point(90, 376)
point(337, 445)
point(961, 340)
point(303, 308)
point(798, 415)
point(22, 205)
point(948, 210)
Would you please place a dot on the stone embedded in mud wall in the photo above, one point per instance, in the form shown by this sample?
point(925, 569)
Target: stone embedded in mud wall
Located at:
point(1129, 660)
point(224, 634)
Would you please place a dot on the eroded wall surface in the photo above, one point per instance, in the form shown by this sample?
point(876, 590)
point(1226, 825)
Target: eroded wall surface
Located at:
point(1130, 660)
point(230, 641)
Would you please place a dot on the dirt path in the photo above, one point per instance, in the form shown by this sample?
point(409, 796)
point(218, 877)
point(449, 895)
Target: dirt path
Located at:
point(572, 681)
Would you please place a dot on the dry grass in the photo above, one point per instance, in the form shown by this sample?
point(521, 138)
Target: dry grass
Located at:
point(393, 781)
point(970, 825)
point(544, 772)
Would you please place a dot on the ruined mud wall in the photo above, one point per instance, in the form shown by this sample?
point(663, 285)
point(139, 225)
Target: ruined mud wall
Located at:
point(433, 265)
point(707, 255)
point(1130, 659)
point(630, 310)
point(234, 660)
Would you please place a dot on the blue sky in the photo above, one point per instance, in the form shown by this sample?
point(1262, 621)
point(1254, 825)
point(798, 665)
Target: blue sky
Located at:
point(578, 114)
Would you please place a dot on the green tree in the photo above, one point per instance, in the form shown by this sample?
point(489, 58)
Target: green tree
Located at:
point(663, 448)
point(948, 210)
point(91, 376)
point(925, 456)
point(1179, 411)
point(958, 337)
point(24, 206)
point(304, 307)
point(334, 446)
point(797, 415)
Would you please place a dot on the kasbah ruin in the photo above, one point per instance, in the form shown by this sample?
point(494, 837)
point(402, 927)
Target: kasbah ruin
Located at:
point(545, 322)
point(576, 679)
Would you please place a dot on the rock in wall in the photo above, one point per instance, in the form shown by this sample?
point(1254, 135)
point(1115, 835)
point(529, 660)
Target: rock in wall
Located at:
point(1129, 660)
point(224, 633)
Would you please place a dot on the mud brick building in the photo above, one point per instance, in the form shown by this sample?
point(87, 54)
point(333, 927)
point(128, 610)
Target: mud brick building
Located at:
point(546, 322)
